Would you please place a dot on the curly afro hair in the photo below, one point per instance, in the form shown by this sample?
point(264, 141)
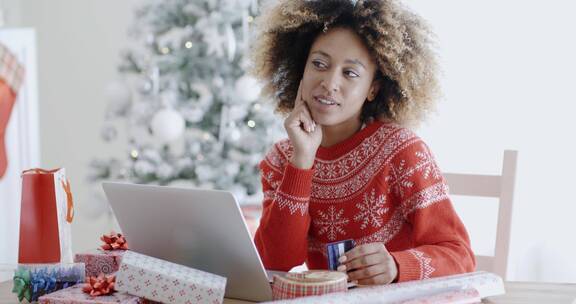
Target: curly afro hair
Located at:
point(400, 42)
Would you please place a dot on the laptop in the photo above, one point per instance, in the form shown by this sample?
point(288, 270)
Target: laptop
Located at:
point(202, 229)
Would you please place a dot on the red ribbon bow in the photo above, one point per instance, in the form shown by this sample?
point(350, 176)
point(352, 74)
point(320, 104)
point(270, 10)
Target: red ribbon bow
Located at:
point(114, 241)
point(99, 286)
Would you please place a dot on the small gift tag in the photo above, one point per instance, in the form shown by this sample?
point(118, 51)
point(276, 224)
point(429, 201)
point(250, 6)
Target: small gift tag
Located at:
point(337, 249)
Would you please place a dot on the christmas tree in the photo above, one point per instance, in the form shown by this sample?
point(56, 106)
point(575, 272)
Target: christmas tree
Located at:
point(191, 114)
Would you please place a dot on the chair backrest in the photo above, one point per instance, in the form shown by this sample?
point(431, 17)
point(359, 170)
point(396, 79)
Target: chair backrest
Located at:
point(493, 186)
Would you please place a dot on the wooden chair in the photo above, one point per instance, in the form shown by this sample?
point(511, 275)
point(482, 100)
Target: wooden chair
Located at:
point(492, 186)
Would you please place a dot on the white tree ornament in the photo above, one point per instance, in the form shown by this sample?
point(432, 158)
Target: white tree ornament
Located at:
point(247, 88)
point(167, 125)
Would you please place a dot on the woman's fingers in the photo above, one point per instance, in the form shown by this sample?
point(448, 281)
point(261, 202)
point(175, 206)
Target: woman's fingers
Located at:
point(367, 272)
point(307, 118)
point(362, 262)
point(307, 123)
point(381, 273)
point(369, 264)
point(362, 250)
point(300, 118)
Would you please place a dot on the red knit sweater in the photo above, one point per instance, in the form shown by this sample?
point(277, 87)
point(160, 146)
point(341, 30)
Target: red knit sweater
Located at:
point(380, 185)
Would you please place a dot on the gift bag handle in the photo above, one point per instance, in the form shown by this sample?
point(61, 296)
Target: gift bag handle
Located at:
point(70, 208)
point(39, 171)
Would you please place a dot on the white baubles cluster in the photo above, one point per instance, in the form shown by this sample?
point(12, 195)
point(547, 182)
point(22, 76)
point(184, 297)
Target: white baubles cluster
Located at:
point(167, 125)
point(247, 88)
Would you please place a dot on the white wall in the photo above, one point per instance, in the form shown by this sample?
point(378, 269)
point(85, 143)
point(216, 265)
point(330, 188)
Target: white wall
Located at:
point(10, 12)
point(508, 84)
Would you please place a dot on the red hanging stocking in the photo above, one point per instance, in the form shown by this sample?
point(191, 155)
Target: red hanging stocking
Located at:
point(11, 73)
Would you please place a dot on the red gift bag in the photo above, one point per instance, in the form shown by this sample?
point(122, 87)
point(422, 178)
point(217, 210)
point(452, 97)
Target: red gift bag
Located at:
point(46, 216)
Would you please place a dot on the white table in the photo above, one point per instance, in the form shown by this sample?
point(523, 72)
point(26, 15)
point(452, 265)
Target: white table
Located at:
point(516, 293)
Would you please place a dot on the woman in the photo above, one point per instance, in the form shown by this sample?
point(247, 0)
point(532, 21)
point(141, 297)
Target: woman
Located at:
point(352, 76)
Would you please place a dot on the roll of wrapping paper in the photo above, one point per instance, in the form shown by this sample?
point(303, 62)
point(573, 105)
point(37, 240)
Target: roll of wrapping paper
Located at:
point(308, 283)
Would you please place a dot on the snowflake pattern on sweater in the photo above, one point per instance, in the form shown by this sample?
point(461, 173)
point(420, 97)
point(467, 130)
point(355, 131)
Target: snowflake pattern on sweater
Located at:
point(332, 223)
point(381, 185)
point(371, 210)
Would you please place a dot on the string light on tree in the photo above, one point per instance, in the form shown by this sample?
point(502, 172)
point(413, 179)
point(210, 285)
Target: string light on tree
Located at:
point(134, 154)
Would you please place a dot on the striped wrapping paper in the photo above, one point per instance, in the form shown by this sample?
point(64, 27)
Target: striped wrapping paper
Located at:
point(308, 283)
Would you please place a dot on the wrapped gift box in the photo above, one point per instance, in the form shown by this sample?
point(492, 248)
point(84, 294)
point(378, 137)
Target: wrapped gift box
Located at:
point(166, 282)
point(100, 261)
point(34, 280)
point(75, 295)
